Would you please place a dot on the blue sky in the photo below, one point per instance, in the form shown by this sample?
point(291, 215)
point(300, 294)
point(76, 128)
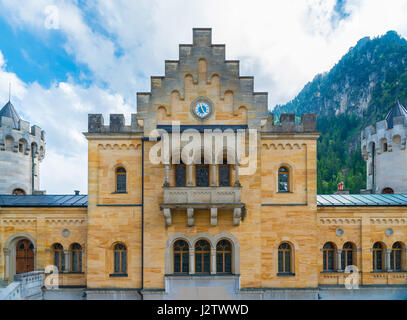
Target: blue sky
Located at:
point(67, 58)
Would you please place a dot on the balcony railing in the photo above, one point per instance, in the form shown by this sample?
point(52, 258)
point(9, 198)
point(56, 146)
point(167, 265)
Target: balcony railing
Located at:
point(212, 198)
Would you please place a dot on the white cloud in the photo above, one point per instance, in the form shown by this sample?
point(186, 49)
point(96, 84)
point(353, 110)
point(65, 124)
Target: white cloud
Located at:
point(284, 44)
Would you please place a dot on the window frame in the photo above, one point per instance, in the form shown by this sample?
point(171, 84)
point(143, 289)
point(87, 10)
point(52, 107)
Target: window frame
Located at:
point(224, 253)
point(375, 251)
point(202, 253)
point(59, 261)
point(181, 253)
point(79, 257)
point(281, 173)
point(326, 258)
point(119, 174)
point(284, 250)
point(122, 252)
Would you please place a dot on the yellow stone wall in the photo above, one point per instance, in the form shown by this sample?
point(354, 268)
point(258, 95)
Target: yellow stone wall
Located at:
point(363, 226)
point(45, 226)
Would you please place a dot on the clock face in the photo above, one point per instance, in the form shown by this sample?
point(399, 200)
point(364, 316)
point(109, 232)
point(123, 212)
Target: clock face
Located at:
point(202, 109)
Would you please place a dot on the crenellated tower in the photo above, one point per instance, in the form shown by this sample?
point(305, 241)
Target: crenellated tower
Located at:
point(384, 150)
point(22, 148)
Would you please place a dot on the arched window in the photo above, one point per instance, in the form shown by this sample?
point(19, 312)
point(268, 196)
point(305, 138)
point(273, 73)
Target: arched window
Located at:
point(76, 258)
point(387, 191)
point(202, 257)
point(395, 258)
point(224, 257)
point(18, 192)
point(385, 147)
point(202, 174)
point(120, 258)
point(329, 257)
point(378, 257)
point(283, 180)
point(284, 258)
point(347, 255)
point(59, 257)
point(181, 257)
point(224, 174)
point(121, 180)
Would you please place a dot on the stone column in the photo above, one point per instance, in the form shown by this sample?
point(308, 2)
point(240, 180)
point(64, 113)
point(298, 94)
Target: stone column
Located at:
point(190, 182)
point(191, 260)
point(213, 260)
point(387, 260)
point(237, 182)
point(167, 176)
point(213, 182)
point(6, 263)
point(339, 267)
point(67, 261)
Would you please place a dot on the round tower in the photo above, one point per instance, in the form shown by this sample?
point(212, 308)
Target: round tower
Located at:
point(384, 150)
point(21, 150)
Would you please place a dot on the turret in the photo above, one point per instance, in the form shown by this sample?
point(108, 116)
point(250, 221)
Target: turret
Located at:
point(384, 150)
point(22, 148)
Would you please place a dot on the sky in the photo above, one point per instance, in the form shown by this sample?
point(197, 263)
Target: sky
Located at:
point(67, 58)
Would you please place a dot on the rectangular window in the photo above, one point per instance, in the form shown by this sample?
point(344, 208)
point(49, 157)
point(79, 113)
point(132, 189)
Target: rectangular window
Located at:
point(121, 183)
point(202, 176)
point(224, 175)
point(198, 262)
point(180, 176)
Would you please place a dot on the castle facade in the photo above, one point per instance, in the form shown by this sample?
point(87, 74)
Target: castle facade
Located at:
point(199, 222)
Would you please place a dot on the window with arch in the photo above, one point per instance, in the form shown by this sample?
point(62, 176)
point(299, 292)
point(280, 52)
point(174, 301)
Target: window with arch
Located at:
point(120, 258)
point(76, 258)
point(347, 256)
point(18, 192)
point(284, 258)
point(181, 257)
point(283, 179)
point(328, 253)
point(202, 257)
point(59, 257)
point(395, 257)
point(121, 177)
point(224, 257)
point(378, 257)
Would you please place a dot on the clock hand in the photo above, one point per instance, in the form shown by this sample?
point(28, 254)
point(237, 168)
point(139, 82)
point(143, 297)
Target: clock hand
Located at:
point(201, 109)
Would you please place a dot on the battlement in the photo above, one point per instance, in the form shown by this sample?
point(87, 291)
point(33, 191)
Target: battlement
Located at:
point(383, 137)
point(287, 124)
point(21, 137)
point(116, 125)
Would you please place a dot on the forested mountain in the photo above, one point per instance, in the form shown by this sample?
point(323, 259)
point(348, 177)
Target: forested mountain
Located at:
point(358, 91)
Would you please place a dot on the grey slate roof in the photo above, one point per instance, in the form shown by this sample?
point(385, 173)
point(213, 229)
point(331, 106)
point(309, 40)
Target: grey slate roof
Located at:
point(397, 111)
point(9, 111)
point(44, 201)
point(361, 200)
point(339, 200)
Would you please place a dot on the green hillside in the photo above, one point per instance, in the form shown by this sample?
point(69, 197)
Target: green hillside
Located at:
point(358, 91)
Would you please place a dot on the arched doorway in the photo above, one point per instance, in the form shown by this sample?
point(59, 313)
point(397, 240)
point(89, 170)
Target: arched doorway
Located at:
point(24, 256)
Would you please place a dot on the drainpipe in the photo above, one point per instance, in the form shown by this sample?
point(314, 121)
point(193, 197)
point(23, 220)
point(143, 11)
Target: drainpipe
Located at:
point(143, 139)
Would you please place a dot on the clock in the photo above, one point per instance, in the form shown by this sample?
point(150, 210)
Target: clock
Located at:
point(201, 108)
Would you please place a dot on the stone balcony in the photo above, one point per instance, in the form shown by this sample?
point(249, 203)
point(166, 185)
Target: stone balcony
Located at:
point(211, 198)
